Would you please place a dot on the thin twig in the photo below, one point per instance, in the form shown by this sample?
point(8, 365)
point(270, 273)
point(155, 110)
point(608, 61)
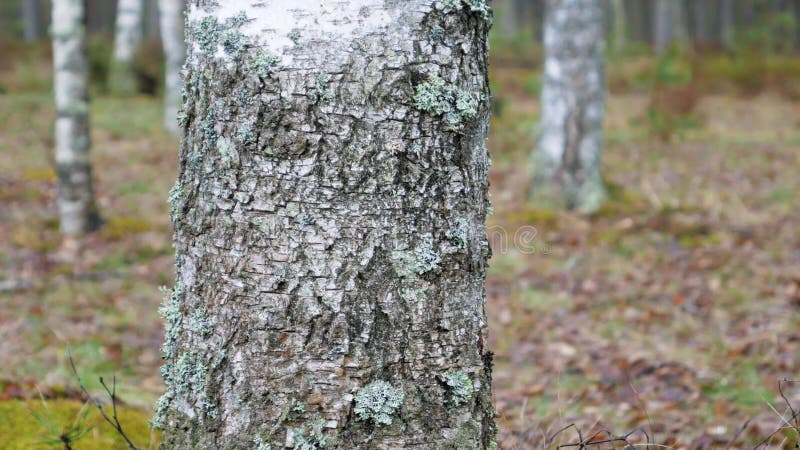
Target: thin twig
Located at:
point(115, 422)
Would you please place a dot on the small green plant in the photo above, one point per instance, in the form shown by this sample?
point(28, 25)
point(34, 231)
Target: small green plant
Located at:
point(673, 95)
point(58, 436)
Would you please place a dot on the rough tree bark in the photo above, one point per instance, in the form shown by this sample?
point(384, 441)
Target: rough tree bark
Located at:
point(329, 228)
point(172, 38)
point(127, 37)
point(566, 165)
point(76, 206)
point(30, 17)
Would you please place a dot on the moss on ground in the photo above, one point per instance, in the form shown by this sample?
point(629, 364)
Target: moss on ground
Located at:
point(21, 431)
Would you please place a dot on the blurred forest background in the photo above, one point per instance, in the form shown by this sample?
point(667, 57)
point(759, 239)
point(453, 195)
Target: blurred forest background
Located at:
point(673, 308)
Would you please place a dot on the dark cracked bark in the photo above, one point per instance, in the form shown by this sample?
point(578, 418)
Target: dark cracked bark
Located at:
point(329, 228)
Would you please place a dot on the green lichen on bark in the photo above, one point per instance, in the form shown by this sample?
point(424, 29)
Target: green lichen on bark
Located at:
point(175, 197)
point(235, 43)
point(200, 323)
point(459, 386)
point(477, 6)
point(261, 443)
point(458, 234)
point(310, 437)
point(377, 402)
point(207, 33)
point(421, 259)
point(438, 98)
point(265, 63)
point(170, 310)
point(324, 92)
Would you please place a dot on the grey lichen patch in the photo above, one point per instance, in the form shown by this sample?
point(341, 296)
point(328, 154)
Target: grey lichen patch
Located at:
point(413, 294)
point(261, 443)
point(190, 374)
point(245, 134)
point(238, 20)
point(207, 33)
point(377, 402)
point(208, 126)
point(309, 437)
point(188, 379)
point(227, 150)
point(422, 259)
point(437, 33)
point(235, 43)
point(460, 386)
point(264, 63)
point(459, 233)
point(477, 6)
point(323, 91)
point(170, 310)
point(162, 406)
point(200, 323)
point(294, 36)
point(174, 199)
point(438, 98)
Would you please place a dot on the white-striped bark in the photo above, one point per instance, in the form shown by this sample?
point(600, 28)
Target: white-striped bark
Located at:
point(566, 165)
point(329, 228)
point(76, 205)
point(172, 38)
point(127, 38)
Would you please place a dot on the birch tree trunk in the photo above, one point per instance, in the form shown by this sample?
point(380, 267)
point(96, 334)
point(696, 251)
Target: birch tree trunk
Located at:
point(76, 206)
point(30, 17)
point(669, 23)
point(620, 25)
point(566, 166)
point(127, 37)
point(329, 228)
point(727, 22)
point(172, 38)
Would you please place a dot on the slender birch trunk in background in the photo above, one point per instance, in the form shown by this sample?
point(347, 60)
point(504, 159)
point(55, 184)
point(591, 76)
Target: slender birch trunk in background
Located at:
point(30, 18)
point(329, 228)
point(127, 37)
point(620, 25)
point(172, 38)
point(76, 205)
point(566, 165)
point(727, 22)
point(669, 23)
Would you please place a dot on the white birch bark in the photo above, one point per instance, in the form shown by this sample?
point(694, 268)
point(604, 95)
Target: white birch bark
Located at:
point(172, 38)
point(127, 37)
point(329, 228)
point(75, 194)
point(566, 165)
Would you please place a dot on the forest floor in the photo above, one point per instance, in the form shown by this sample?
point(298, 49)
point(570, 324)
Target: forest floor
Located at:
point(675, 309)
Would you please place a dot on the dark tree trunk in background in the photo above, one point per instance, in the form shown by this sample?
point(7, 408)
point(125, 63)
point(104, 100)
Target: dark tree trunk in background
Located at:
point(566, 165)
point(329, 229)
point(727, 22)
point(30, 17)
point(669, 23)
